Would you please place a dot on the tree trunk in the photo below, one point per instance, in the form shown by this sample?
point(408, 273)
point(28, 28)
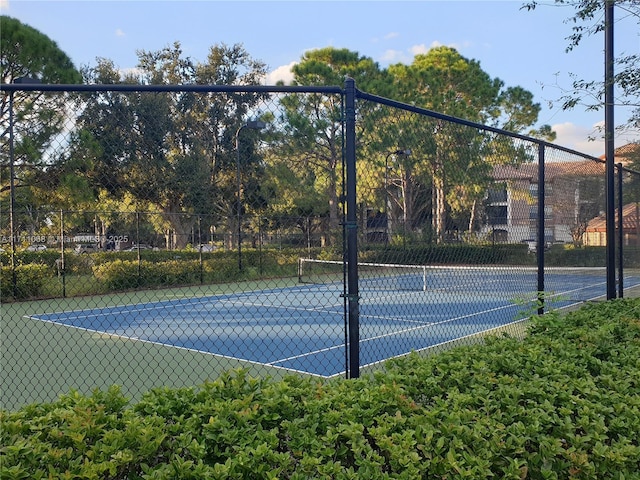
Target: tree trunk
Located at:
point(439, 210)
point(334, 219)
point(472, 216)
point(181, 226)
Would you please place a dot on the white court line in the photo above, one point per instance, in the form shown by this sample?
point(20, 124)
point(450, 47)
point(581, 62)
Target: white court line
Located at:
point(306, 354)
point(398, 332)
point(235, 301)
point(177, 347)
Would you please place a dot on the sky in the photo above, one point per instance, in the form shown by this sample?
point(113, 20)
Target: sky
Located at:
point(522, 48)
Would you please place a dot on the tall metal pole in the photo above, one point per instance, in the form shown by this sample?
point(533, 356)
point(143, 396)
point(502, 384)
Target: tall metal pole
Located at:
point(353, 295)
point(609, 150)
point(541, 227)
point(62, 259)
point(620, 233)
point(12, 199)
point(238, 201)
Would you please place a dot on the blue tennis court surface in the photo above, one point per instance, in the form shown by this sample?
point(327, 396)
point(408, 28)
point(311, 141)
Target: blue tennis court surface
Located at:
point(302, 328)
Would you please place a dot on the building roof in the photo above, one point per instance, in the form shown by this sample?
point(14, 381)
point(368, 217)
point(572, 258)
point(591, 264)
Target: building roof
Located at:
point(529, 171)
point(625, 154)
point(630, 214)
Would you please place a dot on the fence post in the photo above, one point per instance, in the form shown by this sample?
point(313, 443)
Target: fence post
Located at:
point(620, 234)
point(609, 148)
point(352, 230)
point(12, 201)
point(198, 245)
point(541, 227)
point(62, 268)
point(138, 247)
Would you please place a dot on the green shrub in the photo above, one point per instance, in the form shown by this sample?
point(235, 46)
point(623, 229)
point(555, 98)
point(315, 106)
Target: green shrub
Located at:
point(171, 272)
point(78, 264)
point(568, 255)
point(118, 274)
point(29, 280)
point(123, 274)
point(45, 257)
point(562, 403)
point(499, 253)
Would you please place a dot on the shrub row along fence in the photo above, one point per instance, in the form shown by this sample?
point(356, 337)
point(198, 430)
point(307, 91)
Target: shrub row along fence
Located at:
point(160, 235)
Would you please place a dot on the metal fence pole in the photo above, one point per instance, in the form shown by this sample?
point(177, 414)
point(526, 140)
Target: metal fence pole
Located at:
point(609, 149)
point(620, 234)
point(12, 200)
point(541, 226)
point(62, 258)
point(138, 248)
point(352, 230)
point(199, 247)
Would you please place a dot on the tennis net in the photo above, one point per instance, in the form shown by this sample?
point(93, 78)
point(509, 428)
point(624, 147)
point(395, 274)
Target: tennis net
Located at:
point(378, 276)
point(451, 278)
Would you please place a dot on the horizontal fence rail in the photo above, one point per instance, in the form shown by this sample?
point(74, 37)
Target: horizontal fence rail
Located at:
point(160, 235)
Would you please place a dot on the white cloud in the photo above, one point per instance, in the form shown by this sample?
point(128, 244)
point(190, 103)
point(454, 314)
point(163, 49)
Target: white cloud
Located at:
point(132, 71)
point(627, 136)
point(580, 138)
point(590, 140)
point(398, 56)
point(283, 73)
point(120, 33)
point(422, 48)
point(391, 35)
point(394, 56)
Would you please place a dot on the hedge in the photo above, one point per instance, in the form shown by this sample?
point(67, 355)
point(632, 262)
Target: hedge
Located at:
point(29, 280)
point(562, 403)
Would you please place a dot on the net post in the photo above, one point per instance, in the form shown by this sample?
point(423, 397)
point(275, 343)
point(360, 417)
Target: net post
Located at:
point(424, 278)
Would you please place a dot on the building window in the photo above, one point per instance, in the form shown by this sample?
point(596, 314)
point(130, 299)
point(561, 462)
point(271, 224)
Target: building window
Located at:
point(548, 212)
point(497, 215)
point(497, 194)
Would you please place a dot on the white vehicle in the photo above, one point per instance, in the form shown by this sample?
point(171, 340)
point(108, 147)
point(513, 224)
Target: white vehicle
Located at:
point(36, 248)
point(135, 248)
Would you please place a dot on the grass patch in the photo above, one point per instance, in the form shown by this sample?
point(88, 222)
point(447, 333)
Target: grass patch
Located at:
point(42, 360)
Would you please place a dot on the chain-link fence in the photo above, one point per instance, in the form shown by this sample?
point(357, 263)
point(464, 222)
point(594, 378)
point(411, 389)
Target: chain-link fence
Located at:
point(160, 235)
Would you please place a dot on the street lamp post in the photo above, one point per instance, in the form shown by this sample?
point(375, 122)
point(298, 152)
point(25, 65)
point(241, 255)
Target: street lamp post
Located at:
point(253, 125)
point(407, 152)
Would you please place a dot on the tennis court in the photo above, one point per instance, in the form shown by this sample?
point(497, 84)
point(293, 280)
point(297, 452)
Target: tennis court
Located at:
point(302, 328)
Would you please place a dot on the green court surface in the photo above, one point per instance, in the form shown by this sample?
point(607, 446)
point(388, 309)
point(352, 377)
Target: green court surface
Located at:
point(40, 360)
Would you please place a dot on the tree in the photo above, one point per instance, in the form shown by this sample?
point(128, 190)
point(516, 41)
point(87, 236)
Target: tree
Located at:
point(173, 151)
point(588, 20)
point(313, 133)
point(38, 118)
point(444, 81)
point(26, 52)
